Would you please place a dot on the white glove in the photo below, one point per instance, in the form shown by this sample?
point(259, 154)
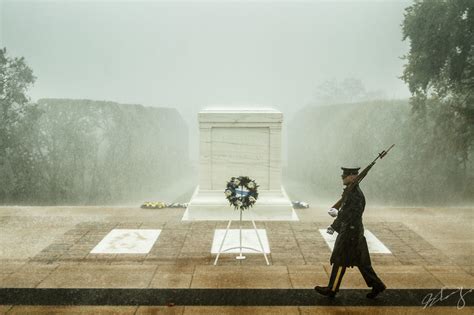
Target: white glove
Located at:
point(333, 212)
point(330, 230)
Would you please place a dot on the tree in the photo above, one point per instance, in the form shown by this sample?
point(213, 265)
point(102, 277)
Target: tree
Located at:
point(15, 79)
point(441, 57)
point(17, 117)
point(440, 75)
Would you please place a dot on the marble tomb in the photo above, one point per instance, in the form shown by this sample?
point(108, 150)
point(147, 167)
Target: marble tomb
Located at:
point(240, 142)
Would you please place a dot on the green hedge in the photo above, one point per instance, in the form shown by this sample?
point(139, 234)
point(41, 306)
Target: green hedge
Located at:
point(96, 152)
point(415, 172)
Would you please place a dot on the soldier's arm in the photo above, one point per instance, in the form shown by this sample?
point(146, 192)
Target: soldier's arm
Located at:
point(342, 216)
point(356, 207)
point(353, 209)
point(336, 225)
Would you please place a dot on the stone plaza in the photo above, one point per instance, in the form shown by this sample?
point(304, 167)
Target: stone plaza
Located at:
point(130, 260)
point(51, 248)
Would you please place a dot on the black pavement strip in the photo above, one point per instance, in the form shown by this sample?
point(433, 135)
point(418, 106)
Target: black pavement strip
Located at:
point(235, 297)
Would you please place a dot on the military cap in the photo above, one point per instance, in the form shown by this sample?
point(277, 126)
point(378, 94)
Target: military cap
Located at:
point(346, 171)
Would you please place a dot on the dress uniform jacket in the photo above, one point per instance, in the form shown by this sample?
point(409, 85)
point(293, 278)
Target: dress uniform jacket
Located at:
point(350, 248)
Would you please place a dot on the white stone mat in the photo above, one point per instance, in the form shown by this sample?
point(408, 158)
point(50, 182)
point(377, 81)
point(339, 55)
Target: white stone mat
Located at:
point(127, 241)
point(249, 239)
point(374, 244)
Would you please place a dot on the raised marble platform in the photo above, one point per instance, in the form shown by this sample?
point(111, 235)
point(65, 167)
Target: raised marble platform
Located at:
point(272, 205)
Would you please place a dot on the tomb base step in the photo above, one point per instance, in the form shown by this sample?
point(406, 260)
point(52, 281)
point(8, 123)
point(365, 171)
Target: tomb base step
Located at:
point(209, 205)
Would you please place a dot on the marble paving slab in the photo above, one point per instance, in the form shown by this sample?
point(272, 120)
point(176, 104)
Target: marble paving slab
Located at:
point(127, 241)
point(374, 244)
point(249, 239)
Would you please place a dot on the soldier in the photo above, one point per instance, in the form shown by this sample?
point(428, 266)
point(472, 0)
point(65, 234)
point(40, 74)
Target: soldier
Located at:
point(350, 248)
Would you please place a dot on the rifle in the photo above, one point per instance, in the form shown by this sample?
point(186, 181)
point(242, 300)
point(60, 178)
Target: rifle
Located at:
point(360, 177)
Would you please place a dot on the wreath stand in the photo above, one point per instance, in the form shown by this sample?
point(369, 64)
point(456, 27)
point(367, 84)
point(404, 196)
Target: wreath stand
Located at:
point(240, 247)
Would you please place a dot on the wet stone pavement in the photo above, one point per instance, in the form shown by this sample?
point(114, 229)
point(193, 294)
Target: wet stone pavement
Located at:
point(50, 248)
point(292, 243)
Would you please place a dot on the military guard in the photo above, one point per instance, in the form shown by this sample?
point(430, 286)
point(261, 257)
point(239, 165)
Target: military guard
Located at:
point(350, 248)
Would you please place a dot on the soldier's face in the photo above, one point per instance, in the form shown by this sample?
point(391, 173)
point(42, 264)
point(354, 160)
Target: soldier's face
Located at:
point(347, 180)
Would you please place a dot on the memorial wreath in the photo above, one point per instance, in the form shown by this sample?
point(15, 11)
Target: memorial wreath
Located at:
point(241, 192)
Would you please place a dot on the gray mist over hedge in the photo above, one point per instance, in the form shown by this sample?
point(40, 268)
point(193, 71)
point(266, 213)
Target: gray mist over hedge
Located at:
point(422, 169)
point(64, 149)
point(95, 152)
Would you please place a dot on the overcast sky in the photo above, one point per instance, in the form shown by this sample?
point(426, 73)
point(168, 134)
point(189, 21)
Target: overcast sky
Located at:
point(191, 54)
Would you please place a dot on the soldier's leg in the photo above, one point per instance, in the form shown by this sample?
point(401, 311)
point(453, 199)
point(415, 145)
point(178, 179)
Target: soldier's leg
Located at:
point(337, 273)
point(371, 277)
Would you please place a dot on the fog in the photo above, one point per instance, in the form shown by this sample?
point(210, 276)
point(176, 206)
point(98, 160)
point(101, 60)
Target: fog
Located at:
point(332, 67)
point(193, 54)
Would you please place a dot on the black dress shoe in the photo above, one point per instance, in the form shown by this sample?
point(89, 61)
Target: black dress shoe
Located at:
point(325, 291)
point(376, 291)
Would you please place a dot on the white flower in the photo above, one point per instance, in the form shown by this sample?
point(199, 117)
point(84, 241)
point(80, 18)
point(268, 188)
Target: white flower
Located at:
point(236, 182)
point(228, 192)
point(251, 185)
point(239, 203)
point(252, 199)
